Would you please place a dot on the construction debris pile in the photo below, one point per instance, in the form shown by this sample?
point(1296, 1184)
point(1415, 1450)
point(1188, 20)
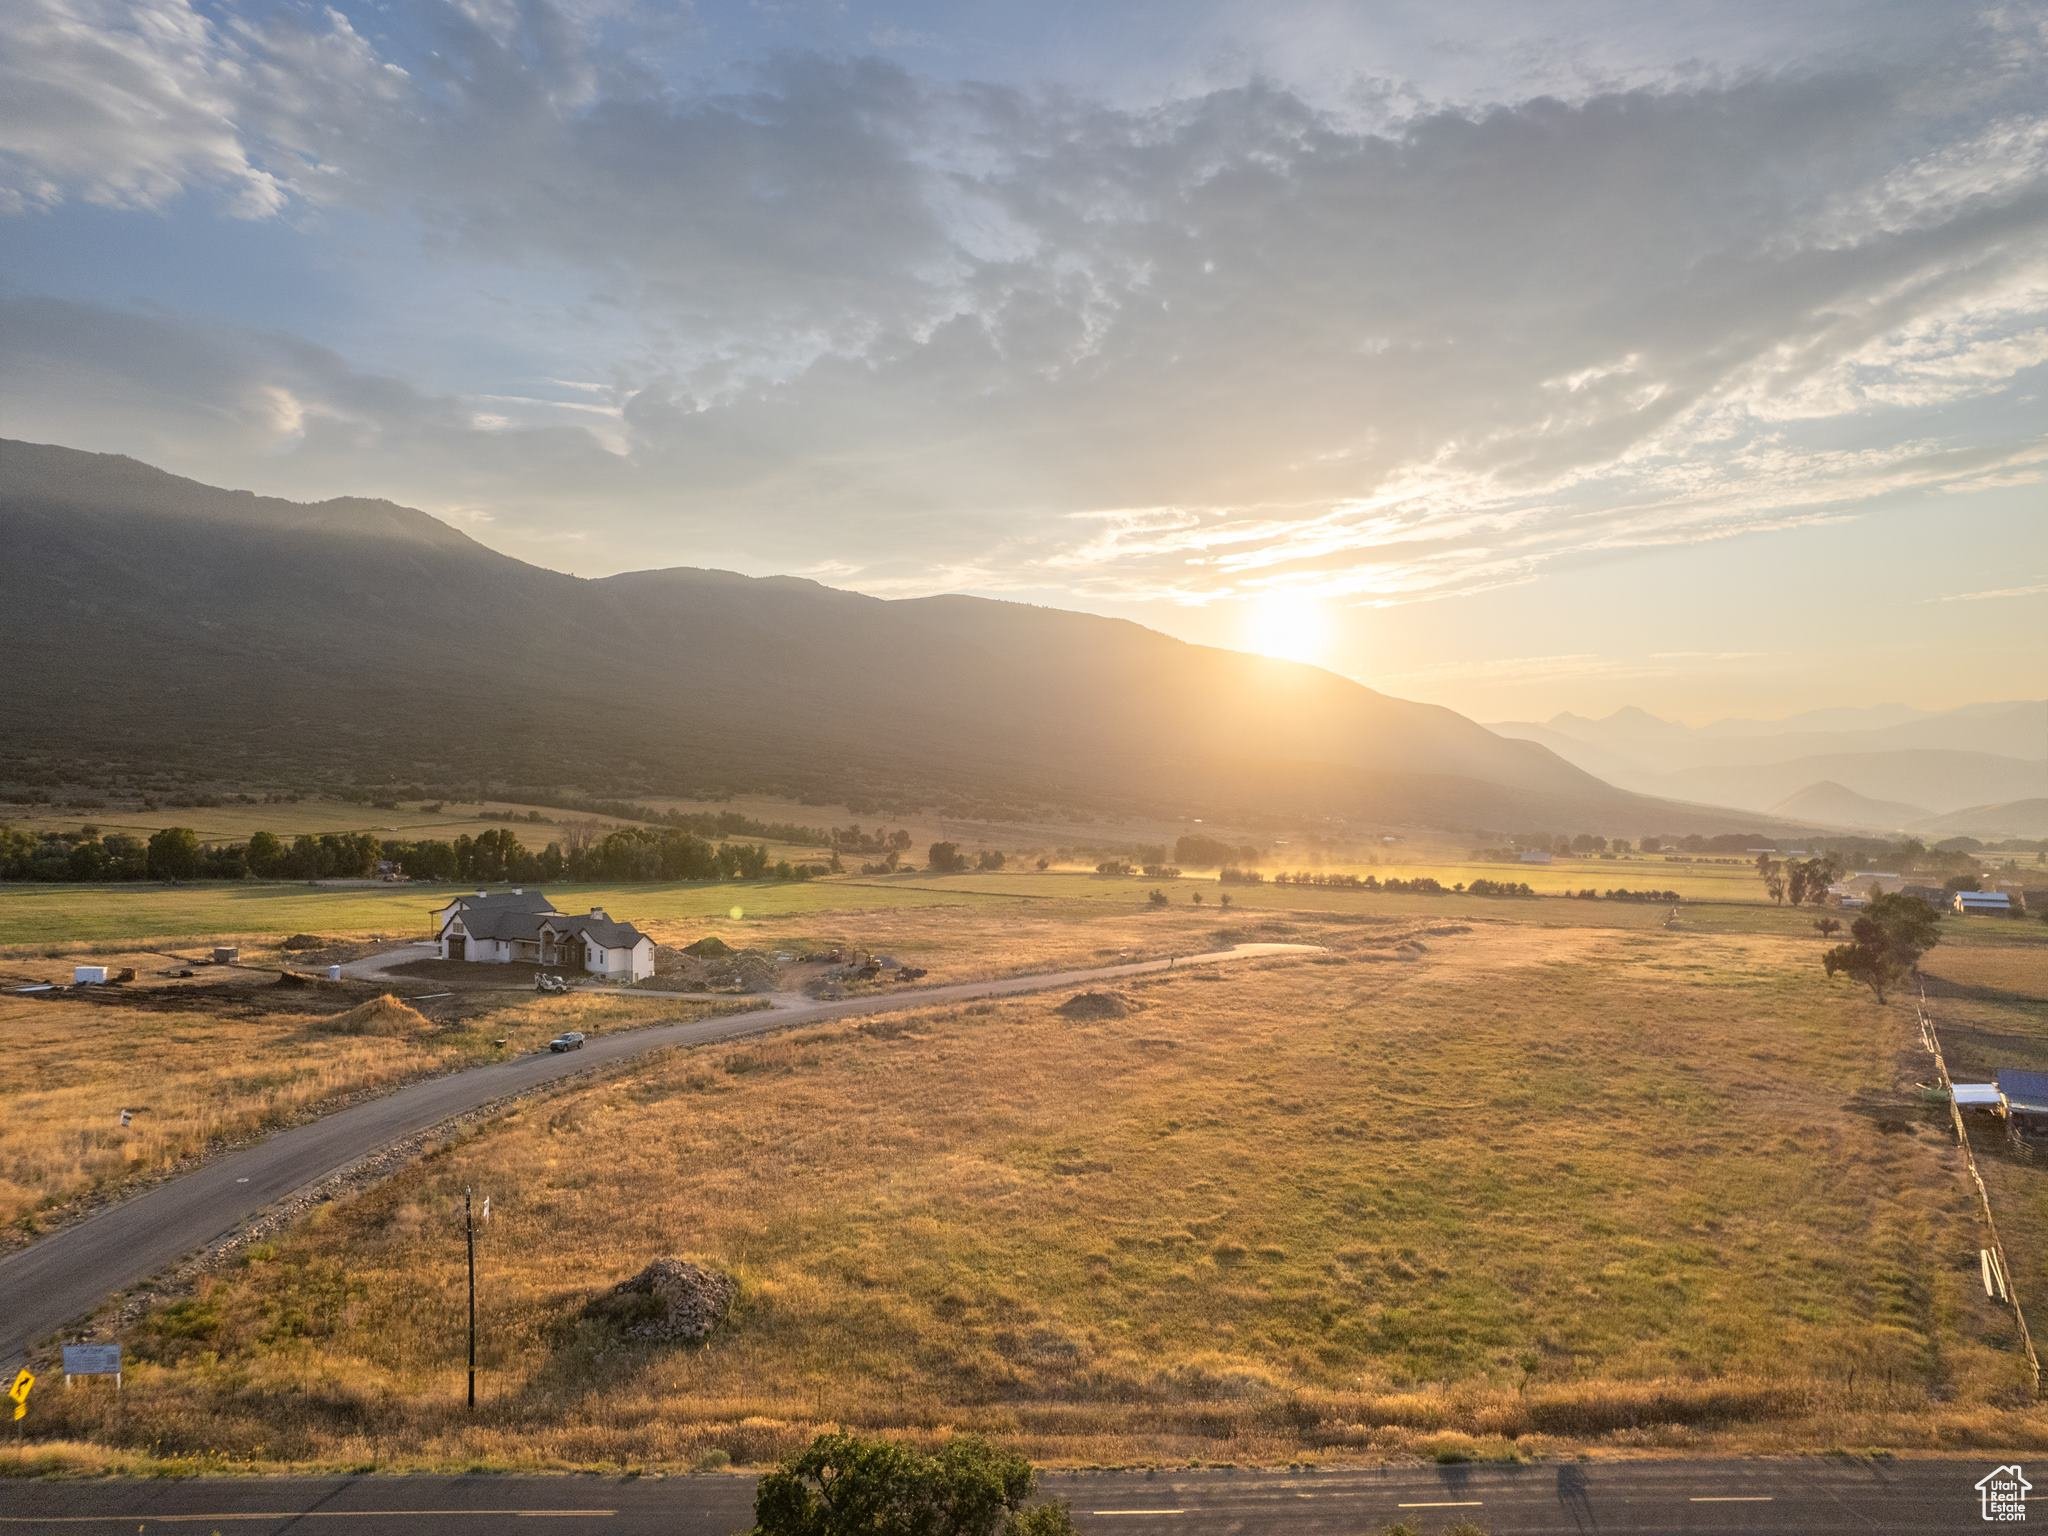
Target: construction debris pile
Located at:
point(712, 965)
point(671, 1301)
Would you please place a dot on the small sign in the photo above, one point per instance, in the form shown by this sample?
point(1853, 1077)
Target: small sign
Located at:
point(92, 1359)
point(485, 1214)
point(127, 1118)
point(18, 1393)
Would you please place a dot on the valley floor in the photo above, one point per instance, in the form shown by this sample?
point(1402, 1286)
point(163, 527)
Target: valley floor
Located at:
point(1482, 1182)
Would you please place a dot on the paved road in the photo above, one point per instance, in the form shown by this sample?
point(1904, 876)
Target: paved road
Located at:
point(66, 1275)
point(1698, 1498)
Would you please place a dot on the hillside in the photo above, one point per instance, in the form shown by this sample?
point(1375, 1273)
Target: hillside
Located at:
point(159, 626)
point(1830, 804)
point(2015, 818)
point(1942, 762)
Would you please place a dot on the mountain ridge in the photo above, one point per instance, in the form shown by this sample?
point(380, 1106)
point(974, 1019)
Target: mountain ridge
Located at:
point(156, 620)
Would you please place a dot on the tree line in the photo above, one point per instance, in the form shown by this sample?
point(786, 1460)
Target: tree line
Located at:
point(624, 854)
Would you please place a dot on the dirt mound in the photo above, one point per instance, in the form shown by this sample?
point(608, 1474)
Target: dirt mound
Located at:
point(671, 1301)
point(707, 947)
point(304, 941)
point(1094, 1005)
point(384, 1015)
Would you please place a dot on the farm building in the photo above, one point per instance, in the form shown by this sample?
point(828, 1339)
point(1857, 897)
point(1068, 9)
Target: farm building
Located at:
point(1989, 903)
point(1535, 856)
point(500, 928)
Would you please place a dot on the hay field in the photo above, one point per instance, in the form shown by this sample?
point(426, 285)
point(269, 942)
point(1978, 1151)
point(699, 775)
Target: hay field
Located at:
point(202, 1066)
point(1528, 1191)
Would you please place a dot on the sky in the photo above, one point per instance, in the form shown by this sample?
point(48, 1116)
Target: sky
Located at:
point(1518, 358)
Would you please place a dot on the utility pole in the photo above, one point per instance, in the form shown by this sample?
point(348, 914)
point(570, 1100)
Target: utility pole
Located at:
point(469, 1235)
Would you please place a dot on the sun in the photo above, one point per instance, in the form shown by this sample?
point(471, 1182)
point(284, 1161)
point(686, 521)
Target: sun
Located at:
point(1288, 625)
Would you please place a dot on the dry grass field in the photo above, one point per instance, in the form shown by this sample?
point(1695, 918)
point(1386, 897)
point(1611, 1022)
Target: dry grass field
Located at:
point(1515, 1190)
point(206, 1062)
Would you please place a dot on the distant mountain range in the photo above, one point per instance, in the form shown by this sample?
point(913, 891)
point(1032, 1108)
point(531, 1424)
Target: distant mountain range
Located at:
point(1885, 768)
point(161, 630)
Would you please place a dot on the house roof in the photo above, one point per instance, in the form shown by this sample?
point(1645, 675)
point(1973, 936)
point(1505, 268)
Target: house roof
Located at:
point(1988, 898)
point(2024, 1090)
point(502, 923)
point(489, 924)
point(521, 900)
point(611, 935)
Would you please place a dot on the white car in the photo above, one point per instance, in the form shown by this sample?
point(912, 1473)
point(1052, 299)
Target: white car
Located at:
point(572, 1041)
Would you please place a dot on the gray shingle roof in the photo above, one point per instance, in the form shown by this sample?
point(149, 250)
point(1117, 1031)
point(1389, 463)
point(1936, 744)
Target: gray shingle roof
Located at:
point(526, 926)
point(505, 901)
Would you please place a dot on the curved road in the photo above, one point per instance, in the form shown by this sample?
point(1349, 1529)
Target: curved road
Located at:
point(68, 1274)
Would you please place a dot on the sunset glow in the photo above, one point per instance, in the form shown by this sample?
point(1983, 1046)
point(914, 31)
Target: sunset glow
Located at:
point(1288, 625)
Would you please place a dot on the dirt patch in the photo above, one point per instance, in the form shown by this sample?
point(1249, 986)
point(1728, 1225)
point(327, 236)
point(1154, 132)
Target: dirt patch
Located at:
point(708, 947)
point(384, 1015)
point(671, 1301)
point(299, 941)
point(1095, 1005)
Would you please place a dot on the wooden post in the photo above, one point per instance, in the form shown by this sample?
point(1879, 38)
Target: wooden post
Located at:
point(469, 1236)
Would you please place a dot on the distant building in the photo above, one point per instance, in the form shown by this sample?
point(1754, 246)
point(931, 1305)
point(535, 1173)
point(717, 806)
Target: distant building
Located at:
point(1535, 856)
point(1989, 903)
point(505, 927)
point(1933, 895)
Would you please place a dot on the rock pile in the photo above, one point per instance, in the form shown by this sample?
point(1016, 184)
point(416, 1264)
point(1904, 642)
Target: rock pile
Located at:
point(671, 1301)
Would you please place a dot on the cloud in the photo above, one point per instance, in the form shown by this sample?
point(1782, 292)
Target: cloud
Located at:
point(1243, 339)
point(1991, 594)
point(124, 105)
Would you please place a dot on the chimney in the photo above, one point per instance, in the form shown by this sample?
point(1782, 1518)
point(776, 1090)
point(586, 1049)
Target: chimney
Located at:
point(518, 890)
point(481, 891)
point(598, 912)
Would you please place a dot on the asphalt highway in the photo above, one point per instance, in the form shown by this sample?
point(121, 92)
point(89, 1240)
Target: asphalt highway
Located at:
point(67, 1275)
point(1698, 1498)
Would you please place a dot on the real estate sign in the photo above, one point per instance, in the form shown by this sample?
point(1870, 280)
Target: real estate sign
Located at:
point(92, 1359)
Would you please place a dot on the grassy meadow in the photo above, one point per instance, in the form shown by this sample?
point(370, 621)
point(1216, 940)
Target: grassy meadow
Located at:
point(203, 1065)
point(1506, 1188)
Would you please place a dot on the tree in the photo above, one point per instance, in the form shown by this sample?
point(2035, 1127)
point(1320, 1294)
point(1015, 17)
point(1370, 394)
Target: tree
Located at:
point(1828, 926)
point(946, 858)
point(989, 858)
point(844, 1485)
point(1885, 942)
point(265, 855)
point(174, 854)
point(1772, 874)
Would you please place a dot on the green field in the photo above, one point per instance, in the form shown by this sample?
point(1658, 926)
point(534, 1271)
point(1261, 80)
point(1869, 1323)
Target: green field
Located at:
point(36, 916)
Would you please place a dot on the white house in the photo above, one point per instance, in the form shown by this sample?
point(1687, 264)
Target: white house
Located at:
point(500, 927)
point(1535, 856)
point(1993, 903)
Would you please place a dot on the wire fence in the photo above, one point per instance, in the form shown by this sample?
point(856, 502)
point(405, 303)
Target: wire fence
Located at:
point(1932, 1041)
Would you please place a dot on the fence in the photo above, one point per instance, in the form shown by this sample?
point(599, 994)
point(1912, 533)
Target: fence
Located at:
point(1932, 1041)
